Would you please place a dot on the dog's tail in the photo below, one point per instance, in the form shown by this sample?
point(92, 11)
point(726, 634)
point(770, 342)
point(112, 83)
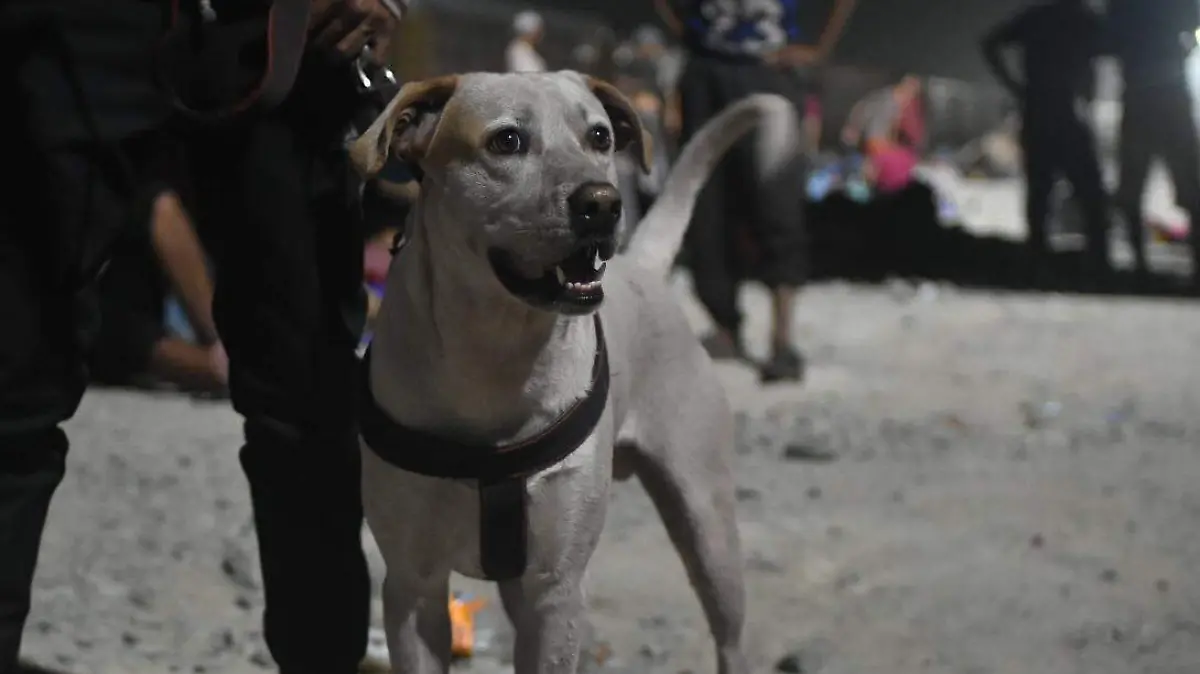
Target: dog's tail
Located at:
point(659, 235)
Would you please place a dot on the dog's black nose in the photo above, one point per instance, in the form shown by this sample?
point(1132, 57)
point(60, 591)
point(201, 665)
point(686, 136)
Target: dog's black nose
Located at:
point(595, 209)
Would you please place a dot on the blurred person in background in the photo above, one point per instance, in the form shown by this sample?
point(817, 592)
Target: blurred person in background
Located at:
point(638, 77)
point(658, 65)
point(737, 48)
point(86, 113)
point(1152, 41)
point(387, 200)
point(585, 57)
point(888, 126)
point(137, 344)
point(156, 293)
point(812, 112)
point(1058, 41)
point(522, 55)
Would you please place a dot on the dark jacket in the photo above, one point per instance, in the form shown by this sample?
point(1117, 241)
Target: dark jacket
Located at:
point(82, 68)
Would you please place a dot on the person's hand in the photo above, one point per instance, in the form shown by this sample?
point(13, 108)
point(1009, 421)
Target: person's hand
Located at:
point(345, 27)
point(219, 361)
point(804, 55)
point(796, 55)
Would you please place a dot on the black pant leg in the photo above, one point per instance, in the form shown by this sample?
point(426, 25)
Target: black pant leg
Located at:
point(31, 467)
point(1136, 146)
point(289, 308)
point(1038, 146)
point(771, 206)
point(1082, 167)
point(56, 217)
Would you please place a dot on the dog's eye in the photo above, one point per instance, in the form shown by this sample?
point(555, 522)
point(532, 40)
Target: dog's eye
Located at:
point(600, 138)
point(507, 141)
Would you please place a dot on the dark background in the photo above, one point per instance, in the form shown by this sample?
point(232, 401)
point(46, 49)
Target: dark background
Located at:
point(884, 39)
point(933, 37)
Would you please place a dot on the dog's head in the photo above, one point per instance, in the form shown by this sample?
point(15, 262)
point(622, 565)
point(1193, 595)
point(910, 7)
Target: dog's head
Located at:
point(518, 176)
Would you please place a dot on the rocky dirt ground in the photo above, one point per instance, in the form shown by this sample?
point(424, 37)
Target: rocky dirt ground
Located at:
point(967, 484)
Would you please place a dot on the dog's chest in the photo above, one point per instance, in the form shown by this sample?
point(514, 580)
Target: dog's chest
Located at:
point(435, 524)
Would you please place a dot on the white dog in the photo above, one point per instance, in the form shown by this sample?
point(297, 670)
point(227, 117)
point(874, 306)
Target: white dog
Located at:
point(508, 385)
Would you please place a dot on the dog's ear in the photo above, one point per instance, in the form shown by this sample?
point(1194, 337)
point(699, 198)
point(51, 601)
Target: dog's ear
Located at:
point(407, 126)
point(628, 131)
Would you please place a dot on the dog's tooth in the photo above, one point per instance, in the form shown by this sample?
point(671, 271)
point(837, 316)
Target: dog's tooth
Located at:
point(562, 276)
point(600, 271)
point(597, 263)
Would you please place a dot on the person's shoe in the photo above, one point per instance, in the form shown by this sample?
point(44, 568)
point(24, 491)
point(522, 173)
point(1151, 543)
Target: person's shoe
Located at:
point(785, 364)
point(720, 346)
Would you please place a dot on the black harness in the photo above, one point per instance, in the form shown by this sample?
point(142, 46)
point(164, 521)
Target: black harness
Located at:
point(499, 470)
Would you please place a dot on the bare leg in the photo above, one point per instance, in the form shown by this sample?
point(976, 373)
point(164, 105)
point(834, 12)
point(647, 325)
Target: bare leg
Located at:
point(785, 362)
point(782, 300)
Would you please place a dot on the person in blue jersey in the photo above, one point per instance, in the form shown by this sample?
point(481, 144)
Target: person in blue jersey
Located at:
point(737, 48)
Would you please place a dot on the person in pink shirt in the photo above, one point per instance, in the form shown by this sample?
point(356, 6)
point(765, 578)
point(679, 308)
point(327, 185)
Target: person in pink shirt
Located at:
point(889, 125)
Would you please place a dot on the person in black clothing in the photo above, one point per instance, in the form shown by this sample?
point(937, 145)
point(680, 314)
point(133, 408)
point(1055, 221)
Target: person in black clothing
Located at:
point(1058, 41)
point(82, 114)
point(1151, 40)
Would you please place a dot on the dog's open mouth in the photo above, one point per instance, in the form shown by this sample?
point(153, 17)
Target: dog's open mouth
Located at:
point(572, 283)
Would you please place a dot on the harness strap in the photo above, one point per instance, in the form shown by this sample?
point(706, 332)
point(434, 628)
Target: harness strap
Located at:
point(421, 452)
point(499, 470)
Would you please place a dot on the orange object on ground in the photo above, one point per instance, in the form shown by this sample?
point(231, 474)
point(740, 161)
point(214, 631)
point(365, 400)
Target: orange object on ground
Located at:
point(462, 625)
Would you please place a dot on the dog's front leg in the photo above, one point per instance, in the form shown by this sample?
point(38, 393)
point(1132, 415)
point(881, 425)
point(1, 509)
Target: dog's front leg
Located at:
point(546, 605)
point(417, 620)
point(548, 614)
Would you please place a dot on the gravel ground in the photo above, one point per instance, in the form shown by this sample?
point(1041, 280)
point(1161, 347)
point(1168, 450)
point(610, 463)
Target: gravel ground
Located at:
point(967, 484)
